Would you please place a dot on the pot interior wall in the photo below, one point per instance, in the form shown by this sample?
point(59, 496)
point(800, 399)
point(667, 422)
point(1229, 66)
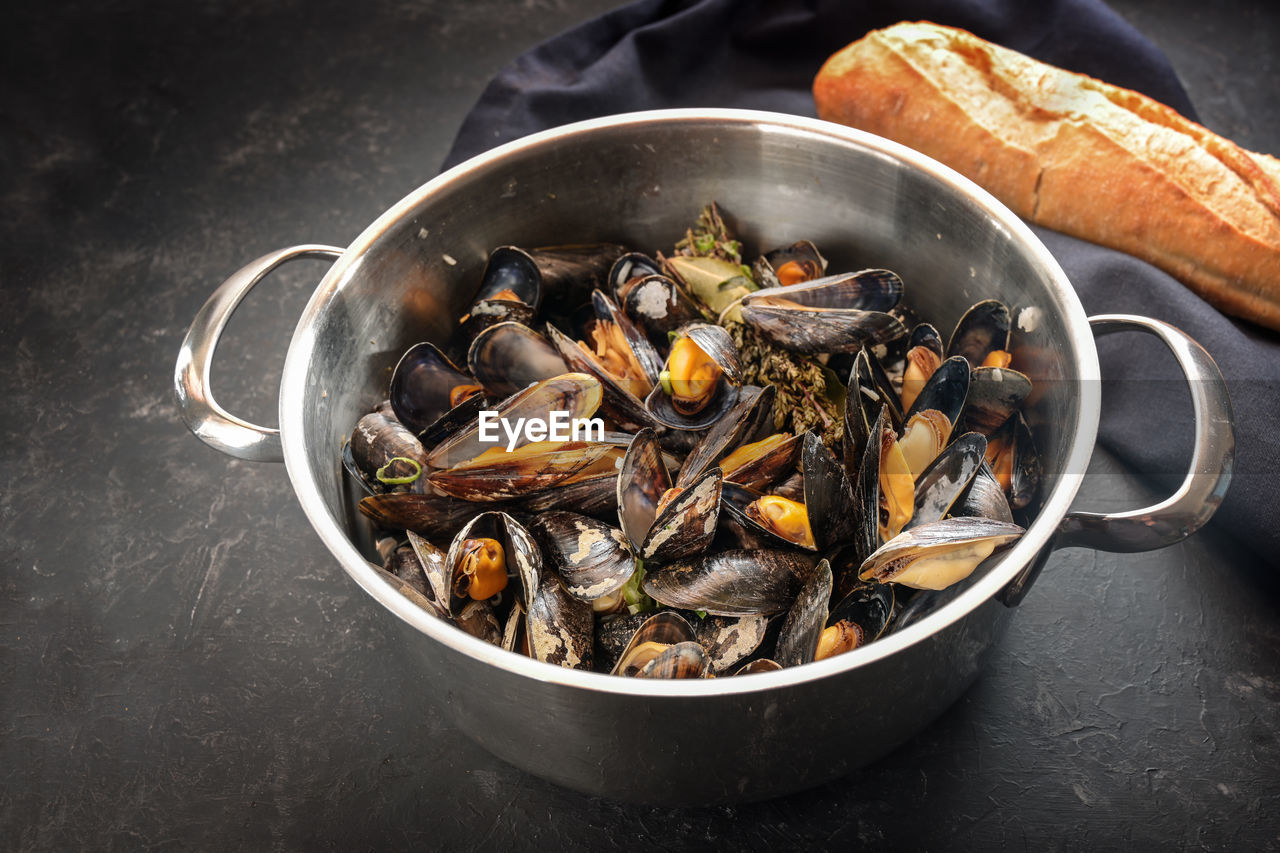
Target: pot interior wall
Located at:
point(642, 184)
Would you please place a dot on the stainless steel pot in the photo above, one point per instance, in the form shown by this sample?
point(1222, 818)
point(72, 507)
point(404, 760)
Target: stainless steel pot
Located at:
point(640, 179)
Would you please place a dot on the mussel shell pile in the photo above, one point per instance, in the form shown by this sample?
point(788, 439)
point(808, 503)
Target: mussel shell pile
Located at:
point(788, 464)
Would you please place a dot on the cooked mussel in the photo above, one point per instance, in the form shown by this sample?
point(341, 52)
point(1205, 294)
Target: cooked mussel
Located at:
point(593, 559)
point(938, 554)
point(699, 382)
point(790, 265)
point(662, 522)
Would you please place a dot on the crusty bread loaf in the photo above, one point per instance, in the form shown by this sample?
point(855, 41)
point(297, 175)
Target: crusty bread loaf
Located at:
point(1074, 154)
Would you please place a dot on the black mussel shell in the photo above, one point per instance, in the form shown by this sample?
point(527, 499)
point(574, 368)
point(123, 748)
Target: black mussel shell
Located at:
point(840, 313)
point(752, 414)
point(508, 357)
point(511, 268)
point(593, 559)
point(513, 476)
point(433, 516)
point(898, 560)
point(659, 307)
point(377, 440)
point(688, 523)
point(641, 482)
point(828, 494)
point(869, 390)
point(559, 626)
point(478, 619)
point(734, 502)
point(798, 640)
point(729, 639)
point(731, 583)
point(576, 394)
point(925, 335)
point(420, 388)
point(612, 635)
point(982, 330)
point(945, 391)
point(940, 485)
point(869, 606)
point(720, 348)
point(628, 270)
point(571, 272)
point(984, 497)
point(995, 394)
point(803, 255)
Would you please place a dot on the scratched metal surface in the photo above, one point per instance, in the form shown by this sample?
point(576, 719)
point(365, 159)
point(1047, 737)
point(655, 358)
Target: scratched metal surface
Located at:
point(182, 663)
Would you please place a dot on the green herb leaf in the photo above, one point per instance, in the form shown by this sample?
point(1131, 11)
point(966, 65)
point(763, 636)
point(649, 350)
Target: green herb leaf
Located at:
point(384, 477)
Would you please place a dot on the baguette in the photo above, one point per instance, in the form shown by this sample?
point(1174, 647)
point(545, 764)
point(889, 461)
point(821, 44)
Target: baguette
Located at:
point(1074, 154)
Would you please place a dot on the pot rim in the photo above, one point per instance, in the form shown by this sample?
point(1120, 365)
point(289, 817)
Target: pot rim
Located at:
point(294, 382)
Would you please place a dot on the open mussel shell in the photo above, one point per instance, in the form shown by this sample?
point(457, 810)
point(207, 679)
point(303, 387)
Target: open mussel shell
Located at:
point(940, 485)
point(927, 336)
point(985, 497)
point(798, 639)
point(382, 453)
point(642, 482)
point(420, 390)
point(869, 390)
point(789, 265)
point(511, 269)
point(593, 559)
point(705, 400)
point(413, 591)
point(628, 270)
point(867, 609)
point(982, 330)
point(433, 563)
point(696, 402)
point(507, 357)
point(995, 394)
point(688, 523)
point(769, 467)
point(835, 314)
point(662, 630)
point(752, 414)
point(519, 558)
point(945, 391)
point(731, 583)
point(683, 660)
point(624, 390)
point(735, 502)
point(660, 307)
point(938, 554)
point(578, 395)
point(559, 627)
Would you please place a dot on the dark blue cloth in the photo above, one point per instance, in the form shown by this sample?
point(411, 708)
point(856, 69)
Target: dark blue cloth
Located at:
point(763, 54)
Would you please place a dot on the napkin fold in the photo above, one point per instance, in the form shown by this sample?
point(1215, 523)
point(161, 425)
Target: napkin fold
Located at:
point(763, 54)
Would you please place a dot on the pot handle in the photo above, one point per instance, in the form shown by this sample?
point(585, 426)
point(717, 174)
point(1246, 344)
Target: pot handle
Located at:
point(211, 423)
point(1194, 502)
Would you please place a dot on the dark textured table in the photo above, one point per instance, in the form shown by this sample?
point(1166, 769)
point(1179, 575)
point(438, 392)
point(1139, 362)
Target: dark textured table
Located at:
point(184, 665)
